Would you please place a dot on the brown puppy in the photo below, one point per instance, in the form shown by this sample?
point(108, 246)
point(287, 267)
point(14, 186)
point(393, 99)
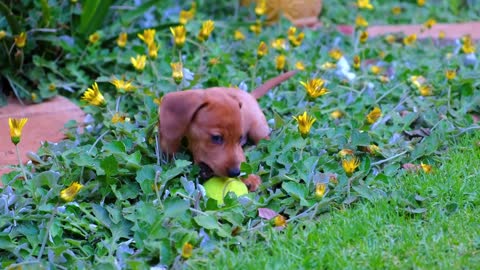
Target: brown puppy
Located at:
point(216, 123)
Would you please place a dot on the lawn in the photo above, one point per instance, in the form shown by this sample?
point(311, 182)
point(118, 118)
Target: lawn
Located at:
point(381, 234)
point(382, 173)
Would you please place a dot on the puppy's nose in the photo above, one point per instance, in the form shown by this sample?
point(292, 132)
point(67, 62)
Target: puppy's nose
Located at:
point(232, 172)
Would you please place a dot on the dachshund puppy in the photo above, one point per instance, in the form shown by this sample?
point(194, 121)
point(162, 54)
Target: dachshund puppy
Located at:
point(216, 123)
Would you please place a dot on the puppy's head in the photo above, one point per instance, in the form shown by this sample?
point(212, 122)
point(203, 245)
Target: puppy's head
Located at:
point(211, 121)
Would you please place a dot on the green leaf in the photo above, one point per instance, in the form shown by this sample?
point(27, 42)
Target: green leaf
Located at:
point(109, 165)
point(84, 160)
point(133, 160)
point(114, 147)
point(207, 222)
point(12, 21)
point(179, 168)
point(47, 178)
point(296, 190)
point(146, 177)
point(360, 138)
point(102, 215)
point(93, 14)
point(174, 207)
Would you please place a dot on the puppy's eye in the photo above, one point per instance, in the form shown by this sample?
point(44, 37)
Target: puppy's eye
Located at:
point(217, 139)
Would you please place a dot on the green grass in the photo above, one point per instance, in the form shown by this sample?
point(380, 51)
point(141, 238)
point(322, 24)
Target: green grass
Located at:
point(383, 235)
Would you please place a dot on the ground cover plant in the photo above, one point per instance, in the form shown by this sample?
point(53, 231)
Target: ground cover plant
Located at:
point(361, 112)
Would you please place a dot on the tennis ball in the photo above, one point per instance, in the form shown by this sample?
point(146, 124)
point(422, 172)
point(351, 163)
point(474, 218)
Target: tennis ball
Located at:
point(217, 187)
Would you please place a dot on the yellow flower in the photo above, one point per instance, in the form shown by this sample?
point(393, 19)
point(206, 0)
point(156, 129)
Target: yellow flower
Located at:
point(158, 100)
point(262, 49)
point(261, 7)
point(468, 46)
point(179, 35)
point(16, 126)
point(206, 30)
point(34, 97)
point(20, 40)
point(187, 250)
point(177, 72)
point(186, 15)
point(328, 65)
point(425, 90)
point(390, 39)
point(52, 87)
point(71, 192)
point(363, 36)
point(256, 27)
point(94, 38)
point(396, 10)
point(360, 21)
point(410, 39)
point(364, 4)
point(279, 221)
point(315, 88)
point(383, 79)
point(426, 168)
point(279, 44)
point(450, 74)
point(94, 96)
point(417, 80)
point(148, 36)
point(280, 62)
point(300, 66)
point(117, 118)
point(356, 62)
point(139, 62)
point(305, 123)
point(320, 189)
point(430, 23)
point(122, 85)
point(441, 35)
point(295, 40)
point(238, 35)
point(153, 50)
point(2, 34)
point(213, 61)
point(122, 40)
point(374, 149)
point(336, 114)
point(421, 2)
point(375, 69)
point(335, 53)
point(345, 152)
point(373, 115)
point(349, 165)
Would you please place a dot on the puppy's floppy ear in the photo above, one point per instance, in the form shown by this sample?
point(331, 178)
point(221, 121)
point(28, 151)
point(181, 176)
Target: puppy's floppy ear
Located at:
point(176, 112)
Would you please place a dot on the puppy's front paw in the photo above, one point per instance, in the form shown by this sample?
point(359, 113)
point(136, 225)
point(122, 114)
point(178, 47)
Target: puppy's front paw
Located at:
point(253, 182)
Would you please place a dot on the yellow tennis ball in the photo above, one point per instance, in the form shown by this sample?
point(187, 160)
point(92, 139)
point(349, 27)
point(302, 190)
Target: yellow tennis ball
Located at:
point(217, 187)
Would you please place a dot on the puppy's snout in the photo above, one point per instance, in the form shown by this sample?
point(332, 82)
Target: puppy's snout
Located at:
point(233, 172)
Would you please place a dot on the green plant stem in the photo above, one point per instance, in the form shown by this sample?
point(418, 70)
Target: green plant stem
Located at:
point(448, 96)
point(254, 74)
point(49, 225)
point(20, 162)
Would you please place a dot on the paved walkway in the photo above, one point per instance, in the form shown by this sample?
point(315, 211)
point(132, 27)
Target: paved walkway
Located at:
point(46, 120)
point(45, 123)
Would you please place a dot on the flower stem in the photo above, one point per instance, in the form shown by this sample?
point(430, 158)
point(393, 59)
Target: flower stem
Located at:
point(20, 162)
point(449, 93)
point(254, 75)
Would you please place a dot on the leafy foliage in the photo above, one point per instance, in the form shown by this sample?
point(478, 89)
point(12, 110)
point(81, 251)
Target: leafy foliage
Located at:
point(137, 209)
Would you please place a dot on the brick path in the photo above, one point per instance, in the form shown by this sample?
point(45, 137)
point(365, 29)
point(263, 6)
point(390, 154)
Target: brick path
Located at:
point(45, 123)
point(47, 119)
